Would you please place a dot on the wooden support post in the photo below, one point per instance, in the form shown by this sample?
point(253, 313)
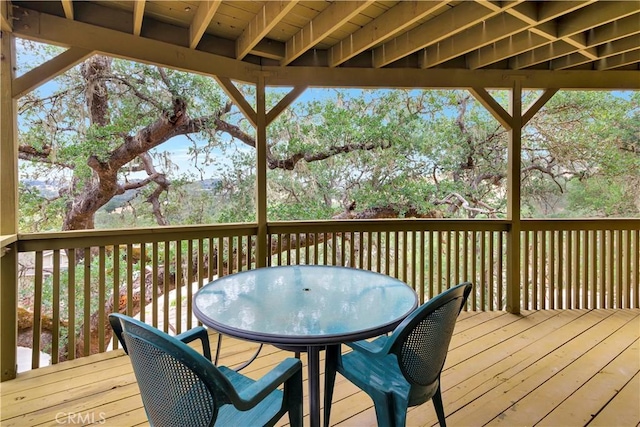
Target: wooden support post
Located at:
point(513, 198)
point(8, 211)
point(262, 252)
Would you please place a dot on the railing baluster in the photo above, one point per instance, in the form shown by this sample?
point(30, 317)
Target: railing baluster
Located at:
point(190, 280)
point(155, 284)
point(179, 284)
point(55, 333)
point(86, 321)
point(37, 312)
point(71, 301)
point(142, 278)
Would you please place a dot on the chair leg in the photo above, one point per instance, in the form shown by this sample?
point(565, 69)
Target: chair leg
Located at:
point(437, 403)
point(400, 406)
point(330, 366)
point(293, 399)
point(383, 403)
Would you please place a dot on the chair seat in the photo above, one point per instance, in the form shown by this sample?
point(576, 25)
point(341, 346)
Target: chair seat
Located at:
point(257, 416)
point(383, 373)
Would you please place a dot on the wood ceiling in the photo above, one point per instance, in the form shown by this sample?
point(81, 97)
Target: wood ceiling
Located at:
point(410, 35)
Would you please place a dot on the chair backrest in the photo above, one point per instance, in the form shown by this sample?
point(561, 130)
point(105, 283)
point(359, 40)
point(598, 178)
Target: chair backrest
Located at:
point(178, 386)
point(422, 340)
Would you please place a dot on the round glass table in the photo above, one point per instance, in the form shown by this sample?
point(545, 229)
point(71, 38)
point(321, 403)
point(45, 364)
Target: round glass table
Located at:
point(305, 308)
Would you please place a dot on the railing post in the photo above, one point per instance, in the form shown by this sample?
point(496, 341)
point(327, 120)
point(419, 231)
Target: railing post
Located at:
point(8, 211)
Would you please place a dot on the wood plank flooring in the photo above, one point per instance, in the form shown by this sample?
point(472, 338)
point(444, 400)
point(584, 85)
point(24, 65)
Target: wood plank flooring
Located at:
point(540, 368)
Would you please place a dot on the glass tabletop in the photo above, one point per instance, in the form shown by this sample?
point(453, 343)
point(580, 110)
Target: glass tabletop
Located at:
point(304, 304)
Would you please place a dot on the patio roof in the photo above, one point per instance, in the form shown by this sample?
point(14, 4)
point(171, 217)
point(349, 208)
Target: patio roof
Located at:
point(549, 44)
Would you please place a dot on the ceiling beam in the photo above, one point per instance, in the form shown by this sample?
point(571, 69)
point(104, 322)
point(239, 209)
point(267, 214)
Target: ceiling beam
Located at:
point(138, 16)
point(53, 29)
point(385, 26)
point(502, 31)
point(48, 70)
point(329, 20)
point(437, 78)
point(67, 6)
point(201, 20)
point(488, 32)
point(463, 16)
point(267, 18)
point(269, 49)
point(607, 33)
point(617, 61)
point(618, 47)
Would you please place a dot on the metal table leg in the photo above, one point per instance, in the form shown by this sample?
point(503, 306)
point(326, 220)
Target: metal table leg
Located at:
point(313, 365)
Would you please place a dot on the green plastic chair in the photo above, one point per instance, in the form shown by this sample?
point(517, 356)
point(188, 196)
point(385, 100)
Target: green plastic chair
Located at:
point(402, 369)
point(180, 387)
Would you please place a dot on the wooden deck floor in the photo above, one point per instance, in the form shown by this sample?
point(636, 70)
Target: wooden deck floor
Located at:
point(546, 368)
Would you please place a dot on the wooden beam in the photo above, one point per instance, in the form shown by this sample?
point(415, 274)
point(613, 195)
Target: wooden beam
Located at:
point(284, 103)
point(606, 33)
point(269, 49)
point(52, 29)
point(514, 166)
point(201, 20)
point(491, 31)
point(618, 47)
point(260, 123)
point(394, 21)
point(618, 61)
point(537, 105)
point(332, 18)
point(50, 69)
point(534, 32)
point(594, 15)
point(232, 91)
point(505, 48)
point(67, 6)
point(267, 18)
point(448, 78)
point(8, 210)
point(5, 17)
point(138, 16)
point(463, 16)
point(492, 106)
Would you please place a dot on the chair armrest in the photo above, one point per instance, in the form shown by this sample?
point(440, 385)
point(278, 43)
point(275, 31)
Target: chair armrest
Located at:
point(256, 392)
point(197, 333)
point(372, 348)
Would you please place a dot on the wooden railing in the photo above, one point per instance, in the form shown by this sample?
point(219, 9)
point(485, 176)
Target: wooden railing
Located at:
point(74, 277)
point(580, 264)
point(154, 272)
point(429, 255)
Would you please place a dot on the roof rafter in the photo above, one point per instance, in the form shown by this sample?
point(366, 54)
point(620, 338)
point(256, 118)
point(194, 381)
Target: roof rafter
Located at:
point(536, 33)
point(67, 6)
point(450, 22)
point(201, 20)
point(270, 14)
point(607, 33)
point(390, 23)
point(138, 15)
point(500, 30)
point(618, 61)
point(330, 19)
point(612, 21)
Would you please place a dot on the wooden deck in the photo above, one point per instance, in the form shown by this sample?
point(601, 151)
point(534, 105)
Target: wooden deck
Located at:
point(546, 368)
